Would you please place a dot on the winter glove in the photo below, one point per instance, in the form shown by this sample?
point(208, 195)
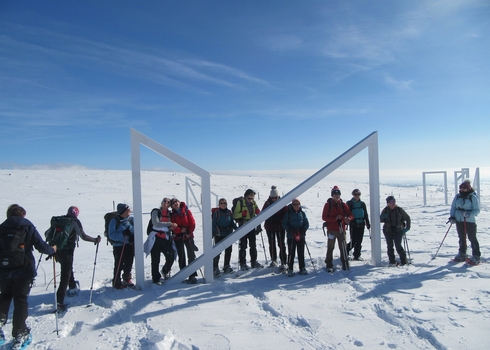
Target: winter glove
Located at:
point(257, 211)
point(244, 213)
point(127, 232)
point(368, 226)
point(97, 240)
point(384, 216)
point(452, 220)
point(466, 214)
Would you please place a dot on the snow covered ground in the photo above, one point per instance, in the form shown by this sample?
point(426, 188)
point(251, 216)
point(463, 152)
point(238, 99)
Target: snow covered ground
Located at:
point(433, 304)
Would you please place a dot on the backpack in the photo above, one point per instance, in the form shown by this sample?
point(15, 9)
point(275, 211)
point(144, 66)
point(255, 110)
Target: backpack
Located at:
point(12, 252)
point(59, 231)
point(149, 228)
point(357, 210)
point(107, 218)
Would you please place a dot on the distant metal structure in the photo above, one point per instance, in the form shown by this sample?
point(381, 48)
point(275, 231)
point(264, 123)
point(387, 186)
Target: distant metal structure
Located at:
point(210, 251)
point(188, 189)
point(425, 187)
point(460, 176)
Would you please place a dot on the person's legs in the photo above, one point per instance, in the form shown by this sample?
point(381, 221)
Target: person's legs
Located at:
point(21, 289)
point(155, 253)
point(471, 229)
point(389, 247)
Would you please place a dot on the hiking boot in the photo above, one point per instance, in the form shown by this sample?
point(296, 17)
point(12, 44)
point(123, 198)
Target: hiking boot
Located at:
point(61, 307)
point(227, 269)
point(303, 271)
point(282, 267)
point(290, 273)
point(128, 283)
point(244, 267)
point(474, 260)
point(330, 269)
point(460, 257)
point(273, 264)
point(165, 274)
point(192, 280)
point(119, 285)
point(158, 283)
point(217, 272)
point(257, 265)
point(22, 340)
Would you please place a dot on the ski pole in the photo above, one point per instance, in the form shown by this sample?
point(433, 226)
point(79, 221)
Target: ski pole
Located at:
point(93, 273)
point(118, 271)
point(440, 245)
point(405, 240)
point(38, 263)
point(263, 245)
point(55, 296)
point(343, 245)
point(312, 262)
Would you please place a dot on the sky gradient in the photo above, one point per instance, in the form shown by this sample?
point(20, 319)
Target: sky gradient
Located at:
point(245, 85)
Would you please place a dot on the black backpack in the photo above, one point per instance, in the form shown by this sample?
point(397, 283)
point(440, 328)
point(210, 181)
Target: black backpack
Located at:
point(107, 218)
point(12, 249)
point(59, 232)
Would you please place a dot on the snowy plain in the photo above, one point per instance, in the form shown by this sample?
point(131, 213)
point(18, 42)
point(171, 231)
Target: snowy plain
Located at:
point(432, 304)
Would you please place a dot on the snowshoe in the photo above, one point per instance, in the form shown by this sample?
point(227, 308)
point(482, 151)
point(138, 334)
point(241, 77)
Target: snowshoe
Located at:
point(290, 273)
point(474, 260)
point(21, 341)
point(244, 267)
point(303, 271)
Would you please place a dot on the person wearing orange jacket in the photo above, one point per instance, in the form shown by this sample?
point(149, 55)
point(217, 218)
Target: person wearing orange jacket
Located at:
point(336, 215)
point(184, 235)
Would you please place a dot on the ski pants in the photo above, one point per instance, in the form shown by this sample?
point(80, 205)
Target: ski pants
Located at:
point(332, 237)
point(161, 246)
point(278, 235)
point(17, 289)
point(67, 279)
point(125, 254)
point(396, 239)
point(471, 232)
point(182, 247)
point(242, 253)
point(294, 245)
point(356, 236)
point(228, 251)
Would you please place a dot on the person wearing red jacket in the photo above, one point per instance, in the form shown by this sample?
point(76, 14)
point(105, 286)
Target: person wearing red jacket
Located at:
point(184, 235)
point(336, 215)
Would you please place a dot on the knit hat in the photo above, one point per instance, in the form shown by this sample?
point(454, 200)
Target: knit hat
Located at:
point(466, 184)
point(356, 191)
point(121, 208)
point(274, 192)
point(73, 211)
point(390, 198)
point(296, 200)
point(335, 190)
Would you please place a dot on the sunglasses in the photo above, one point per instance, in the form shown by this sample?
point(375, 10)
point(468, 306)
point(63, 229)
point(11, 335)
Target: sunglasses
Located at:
point(222, 203)
point(392, 202)
point(357, 194)
point(166, 202)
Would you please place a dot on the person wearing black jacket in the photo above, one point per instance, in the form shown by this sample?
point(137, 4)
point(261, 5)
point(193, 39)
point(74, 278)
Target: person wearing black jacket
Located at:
point(16, 282)
point(361, 220)
point(65, 258)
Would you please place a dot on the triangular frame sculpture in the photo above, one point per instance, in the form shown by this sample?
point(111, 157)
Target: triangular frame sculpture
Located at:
point(209, 251)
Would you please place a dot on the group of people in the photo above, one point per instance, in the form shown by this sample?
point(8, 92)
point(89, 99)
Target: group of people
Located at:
point(171, 233)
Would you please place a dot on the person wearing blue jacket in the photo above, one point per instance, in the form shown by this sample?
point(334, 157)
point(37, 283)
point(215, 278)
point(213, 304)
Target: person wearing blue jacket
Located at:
point(464, 209)
point(121, 232)
point(296, 223)
point(16, 279)
point(222, 226)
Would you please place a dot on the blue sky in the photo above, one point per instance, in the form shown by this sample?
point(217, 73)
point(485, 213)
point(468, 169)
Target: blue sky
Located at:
point(236, 85)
